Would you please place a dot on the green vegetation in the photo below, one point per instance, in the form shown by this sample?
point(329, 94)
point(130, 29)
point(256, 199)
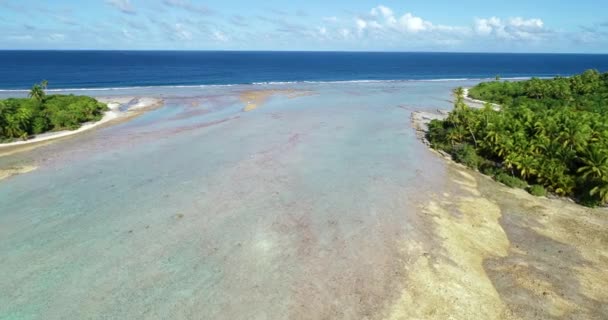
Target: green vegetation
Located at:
point(22, 118)
point(510, 181)
point(550, 133)
point(537, 190)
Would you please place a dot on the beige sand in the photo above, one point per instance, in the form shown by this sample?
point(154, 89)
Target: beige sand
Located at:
point(12, 171)
point(255, 98)
point(504, 254)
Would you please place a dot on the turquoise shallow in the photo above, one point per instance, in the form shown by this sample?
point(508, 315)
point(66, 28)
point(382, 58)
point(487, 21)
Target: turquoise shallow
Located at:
point(200, 210)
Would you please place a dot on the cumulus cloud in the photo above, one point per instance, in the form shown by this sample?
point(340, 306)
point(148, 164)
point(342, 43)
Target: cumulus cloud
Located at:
point(382, 17)
point(516, 28)
point(124, 6)
point(486, 26)
point(382, 23)
point(382, 11)
point(361, 25)
point(414, 24)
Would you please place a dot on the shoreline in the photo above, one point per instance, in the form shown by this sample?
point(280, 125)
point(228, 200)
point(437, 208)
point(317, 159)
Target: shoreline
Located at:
point(419, 121)
point(120, 107)
point(475, 103)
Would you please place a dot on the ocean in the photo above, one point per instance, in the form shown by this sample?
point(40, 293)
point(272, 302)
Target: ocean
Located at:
point(120, 69)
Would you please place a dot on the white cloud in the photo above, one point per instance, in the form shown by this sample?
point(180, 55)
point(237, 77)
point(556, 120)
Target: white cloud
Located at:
point(331, 19)
point(382, 11)
point(345, 33)
point(124, 6)
point(384, 23)
point(414, 24)
point(361, 25)
point(390, 27)
point(219, 36)
point(382, 17)
point(181, 33)
point(486, 26)
point(528, 24)
point(516, 28)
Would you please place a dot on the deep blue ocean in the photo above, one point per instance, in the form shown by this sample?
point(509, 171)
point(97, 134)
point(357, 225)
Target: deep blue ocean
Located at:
point(114, 69)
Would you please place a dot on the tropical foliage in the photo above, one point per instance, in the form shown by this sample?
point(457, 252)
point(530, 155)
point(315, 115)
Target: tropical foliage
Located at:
point(550, 133)
point(22, 118)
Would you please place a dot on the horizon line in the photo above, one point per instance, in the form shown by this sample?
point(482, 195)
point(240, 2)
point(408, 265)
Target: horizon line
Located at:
point(305, 51)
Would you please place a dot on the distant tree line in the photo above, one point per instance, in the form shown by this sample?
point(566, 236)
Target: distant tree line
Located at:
point(549, 134)
point(24, 117)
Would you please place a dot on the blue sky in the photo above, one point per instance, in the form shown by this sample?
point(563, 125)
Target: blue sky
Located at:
point(464, 25)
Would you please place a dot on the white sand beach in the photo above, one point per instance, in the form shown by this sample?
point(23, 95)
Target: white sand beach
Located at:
point(119, 107)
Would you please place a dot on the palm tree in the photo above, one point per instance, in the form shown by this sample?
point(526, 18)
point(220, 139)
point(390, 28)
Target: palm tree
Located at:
point(526, 165)
point(575, 137)
point(456, 135)
point(37, 93)
point(459, 93)
point(596, 164)
point(601, 191)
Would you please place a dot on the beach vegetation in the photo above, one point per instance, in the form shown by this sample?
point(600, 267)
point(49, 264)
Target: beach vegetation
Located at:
point(548, 133)
point(537, 190)
point(21, 118)
point(510, 181)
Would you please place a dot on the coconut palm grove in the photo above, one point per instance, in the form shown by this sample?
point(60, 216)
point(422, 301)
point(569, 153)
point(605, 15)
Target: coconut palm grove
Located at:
point(548, 135)
point(21, 118)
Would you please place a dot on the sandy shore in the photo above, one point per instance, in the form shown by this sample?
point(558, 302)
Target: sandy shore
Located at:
point(120, 107)
point(504, 254)
point(13, 171)
point(474, 103)
point(421, 119)
point(252, 99)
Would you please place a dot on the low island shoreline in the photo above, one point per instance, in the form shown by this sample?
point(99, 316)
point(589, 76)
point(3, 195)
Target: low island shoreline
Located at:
point(528, 140)
point(120, 108)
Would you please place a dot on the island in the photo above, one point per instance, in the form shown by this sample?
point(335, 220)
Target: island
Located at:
point(23, 118)
point(545, 135)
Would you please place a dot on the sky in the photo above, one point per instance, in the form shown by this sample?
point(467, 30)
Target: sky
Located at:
point(318, 25)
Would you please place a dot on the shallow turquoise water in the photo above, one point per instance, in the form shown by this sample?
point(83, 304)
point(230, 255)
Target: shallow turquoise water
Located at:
point(198, 210)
